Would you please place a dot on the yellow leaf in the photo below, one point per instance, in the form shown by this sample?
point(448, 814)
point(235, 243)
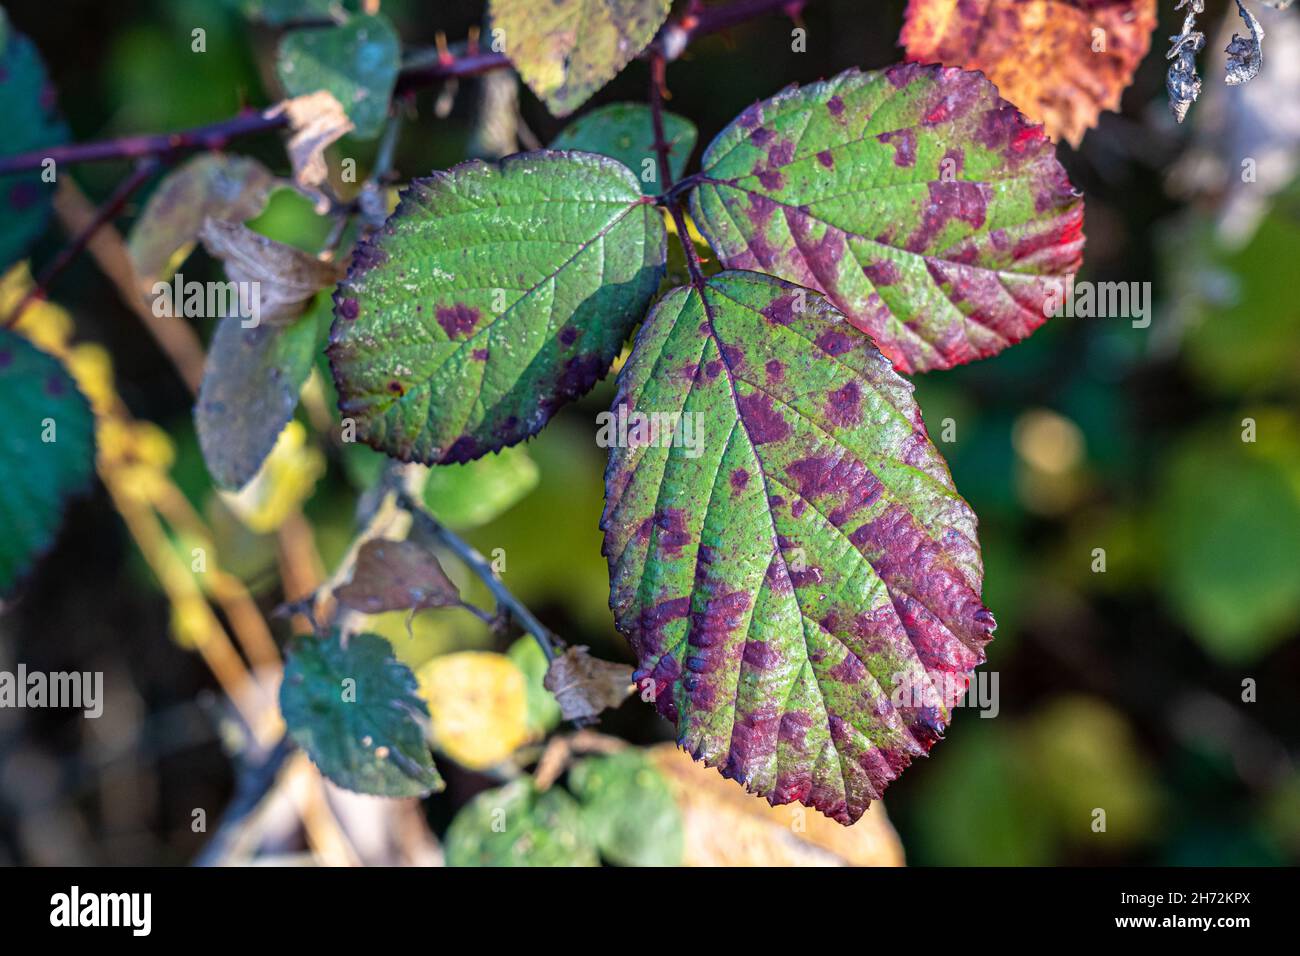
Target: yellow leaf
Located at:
point(478, 706)
point(285, 480)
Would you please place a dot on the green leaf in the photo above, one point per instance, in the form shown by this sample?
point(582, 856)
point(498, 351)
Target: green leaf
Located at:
point(355, 710)
point(250, 390)
point(357, 62)
point(280, 12)
point(794, 553)
point(566, 50)
point(31, 122)
point(514, 825)
point(229, 188)
point(625, 131)
point(930, 212)
point(495, 294)
point(473, 494)
point(629, 809)
point(47, 452)
point(543, 711)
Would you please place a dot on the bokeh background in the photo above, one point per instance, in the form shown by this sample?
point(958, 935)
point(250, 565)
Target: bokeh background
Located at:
point(1120, 689)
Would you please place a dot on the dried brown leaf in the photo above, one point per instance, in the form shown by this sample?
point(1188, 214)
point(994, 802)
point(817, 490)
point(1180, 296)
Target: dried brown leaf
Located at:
point(396, 576)
point(586, 685)
point(315, 120)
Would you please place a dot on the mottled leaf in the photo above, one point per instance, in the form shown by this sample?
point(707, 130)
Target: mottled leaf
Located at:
point(233, 188)
point(566, 50)
point(495, 294)
point(927, 209)
point(396, 576)
point(47, 452)
point(628, 809)
point(477, 492)
point(354, 708)
point(515, 825)
point(250, 390)
point(625, 131)
point(31, 122)
point(1061, 62)
point(356, 62)
point(801, 582)
point(585, 685)
point(478, 707)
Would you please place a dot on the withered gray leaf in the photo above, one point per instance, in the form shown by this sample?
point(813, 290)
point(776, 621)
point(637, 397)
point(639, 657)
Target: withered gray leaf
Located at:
point(1245, 54)
point(397, 576)
point(586, 685)
point(1183, 83)
point(282, 279)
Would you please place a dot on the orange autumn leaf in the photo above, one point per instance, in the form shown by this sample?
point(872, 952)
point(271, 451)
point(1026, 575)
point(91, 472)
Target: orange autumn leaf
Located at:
point(1060, 61)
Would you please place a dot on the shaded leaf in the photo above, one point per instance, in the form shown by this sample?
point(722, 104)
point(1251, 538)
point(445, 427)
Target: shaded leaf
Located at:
point(726, 827)
point(47, 452)
point(495, 294)
point(566, 50)
point(628, 809)
point(514, 825)
point(474, 493)
point(478, 707)
point(625, 131)
point(315, 121)
point(233, 188)
point(395, 576)
point(802, 595)
point(585, 685)
point(249, 392)
point(927, 209)
point(31, 122)
point(356, 62)
point(354, 708)
point(1062, 62)
point(281, 278)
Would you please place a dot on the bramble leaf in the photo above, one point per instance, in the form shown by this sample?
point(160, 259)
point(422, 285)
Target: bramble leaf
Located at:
point(396, 576)
point(478, 706)
point(927, 209)
point(47, 452)
point(354, 708)
point(31, 121)
point(628, 809)
point(800, 582)
point(540, 829)
point(1061, 62)
point(357, 62)
point(566, 50)
point(625, 131)
point(495, 294)
point(477, 492)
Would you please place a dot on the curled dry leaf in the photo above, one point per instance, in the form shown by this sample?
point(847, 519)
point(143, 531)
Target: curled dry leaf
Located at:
point(395, 576)
point(315, 121)
point(281, 278)
point(1062, 62)
point(1183, 82)
point(726, 827)
point(586, 685)
point(1245, 54)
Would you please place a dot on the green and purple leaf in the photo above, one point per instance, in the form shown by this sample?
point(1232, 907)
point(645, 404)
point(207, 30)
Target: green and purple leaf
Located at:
point(31, 122)
point(927, 209)
point(47, 452)
point(495, 294)
point(804, 593)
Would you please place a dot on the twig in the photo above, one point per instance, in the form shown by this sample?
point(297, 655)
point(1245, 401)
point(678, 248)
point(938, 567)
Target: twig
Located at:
point(430, 526)
point(688, 245)
point(105, 214)
point(254, 783)
point(658, 78)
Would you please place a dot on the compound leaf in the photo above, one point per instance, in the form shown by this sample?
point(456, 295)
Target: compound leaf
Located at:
point(47, 452)
point(355, 709)
point(495, 294)
point(625, 131)
point(927, 209)
point(31, 122)
point(357, 62)
point(566, 50)
point(800, 582)
point(1062, 62)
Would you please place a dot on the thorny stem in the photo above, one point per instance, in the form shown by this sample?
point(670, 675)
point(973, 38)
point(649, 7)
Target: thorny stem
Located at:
point(688, 245)
point(430, 526)
point(105, 214)
point(671, 42)
point(658, 77)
